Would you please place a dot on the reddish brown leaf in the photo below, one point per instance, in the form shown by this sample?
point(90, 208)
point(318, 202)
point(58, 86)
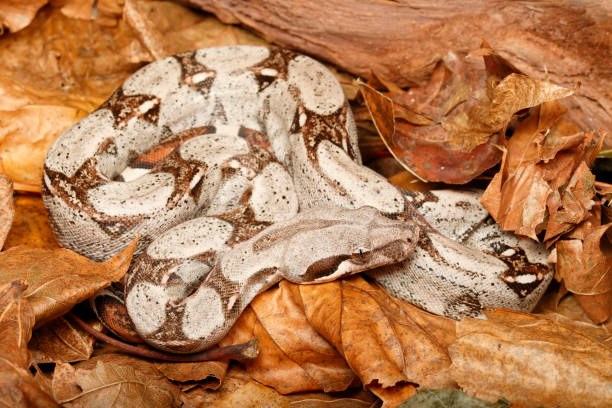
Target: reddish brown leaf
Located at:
point(60, 341)
point(453, 140)
point(515, 355)
point(60, 278)
point(115, 379)
point(17, 385)
point(544, 181)
point(30, 225)
point(586, 271)
point(7, 209)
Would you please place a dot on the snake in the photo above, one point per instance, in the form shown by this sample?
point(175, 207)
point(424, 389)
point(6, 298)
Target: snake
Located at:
point(239, 166)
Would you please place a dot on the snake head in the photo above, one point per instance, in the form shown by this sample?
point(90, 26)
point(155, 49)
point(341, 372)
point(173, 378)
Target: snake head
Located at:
point(335, 242)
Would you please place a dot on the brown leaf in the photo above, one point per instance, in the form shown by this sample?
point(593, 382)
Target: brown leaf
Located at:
point(46, 86)
point(31, 224)
point(447, 130)
point(60, 341)
point(586, 270)
point(17, 14)
point(210, 374)
point(544, 181)
point(114, 380)
point(60, 278)
point(104, 12)
point(383, 344)
point(293, 356)
point(531, 361)
point(17, 385)
point(255, 395)
point(7, 208)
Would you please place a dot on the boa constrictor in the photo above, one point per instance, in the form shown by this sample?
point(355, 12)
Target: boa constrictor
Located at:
point(239, 166)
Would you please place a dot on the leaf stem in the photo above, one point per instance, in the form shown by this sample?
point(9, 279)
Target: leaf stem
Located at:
point(244, 351)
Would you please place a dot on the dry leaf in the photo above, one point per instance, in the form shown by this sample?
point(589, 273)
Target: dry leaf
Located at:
point(60, 341)
point(103, 12)
point(586, 270)
point(59, 279)
point(30, 225)
point(531, 361)
point(17, 14)
point(544, 181)
point(54, 72)
point(293, 356)
point(113, 380)
point(209, 374)
point(447, 130)
point(17, 385)
point(7, 208)
point(385, 341)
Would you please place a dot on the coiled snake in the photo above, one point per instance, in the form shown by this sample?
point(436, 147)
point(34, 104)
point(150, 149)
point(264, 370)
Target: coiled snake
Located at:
point(239, 166)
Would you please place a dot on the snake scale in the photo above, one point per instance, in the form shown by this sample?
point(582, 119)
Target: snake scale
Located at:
point(239, 166)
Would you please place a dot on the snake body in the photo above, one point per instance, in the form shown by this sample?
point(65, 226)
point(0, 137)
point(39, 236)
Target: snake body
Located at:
point(239, 166)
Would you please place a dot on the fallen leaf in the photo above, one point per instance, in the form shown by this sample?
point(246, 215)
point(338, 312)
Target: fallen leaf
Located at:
point(544, 181)
point(7, 207)
point(17, 14)
point(293, 356)
point(531, 361)
point(54, 72)
point(30, 224)
point(113, 380)
point(103, 12)
point(448, 399)
point(60, 341)
point(586, 270)
point(448, 130)
point(384, 345)
point(17, 385)
point(255, 395)
point(209, 374)
point(58, 279)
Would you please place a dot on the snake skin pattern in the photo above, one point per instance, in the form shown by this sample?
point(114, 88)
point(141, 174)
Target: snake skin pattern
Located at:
point(235, 163)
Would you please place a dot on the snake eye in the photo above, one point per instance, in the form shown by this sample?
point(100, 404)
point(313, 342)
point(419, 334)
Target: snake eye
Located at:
point(361, 255)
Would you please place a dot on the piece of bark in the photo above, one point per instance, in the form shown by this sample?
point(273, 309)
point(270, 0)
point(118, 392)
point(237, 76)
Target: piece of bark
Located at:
point(401, 41)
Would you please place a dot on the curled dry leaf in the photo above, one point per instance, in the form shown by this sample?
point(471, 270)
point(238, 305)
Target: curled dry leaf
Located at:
point(113, 380)
point(447, 130)
point(30, 224)
point(544, 175)
point(17, 385)
point(17, 14)
point(60, 341)
point(514, 354)
point(59, 279)
point(7, 208)
point(586, 269)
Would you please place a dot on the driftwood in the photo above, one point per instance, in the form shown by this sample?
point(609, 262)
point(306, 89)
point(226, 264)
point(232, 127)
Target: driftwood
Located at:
point(401, 40)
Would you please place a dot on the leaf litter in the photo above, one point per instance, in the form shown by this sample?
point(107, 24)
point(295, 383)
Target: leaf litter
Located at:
point(321, 338)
